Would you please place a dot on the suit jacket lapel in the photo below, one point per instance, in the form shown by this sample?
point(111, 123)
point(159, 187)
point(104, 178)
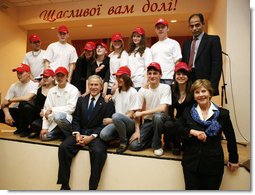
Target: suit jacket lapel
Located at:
point(202, 45)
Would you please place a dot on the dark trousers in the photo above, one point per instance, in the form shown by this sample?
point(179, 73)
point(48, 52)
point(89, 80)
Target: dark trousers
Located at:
point(198, 181)
point(68, 149)
point(23, 115)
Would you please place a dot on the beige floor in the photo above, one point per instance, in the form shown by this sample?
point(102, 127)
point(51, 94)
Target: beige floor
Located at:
point(6, 133)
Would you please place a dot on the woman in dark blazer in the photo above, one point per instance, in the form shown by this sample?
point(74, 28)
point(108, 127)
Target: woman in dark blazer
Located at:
point(201, 127)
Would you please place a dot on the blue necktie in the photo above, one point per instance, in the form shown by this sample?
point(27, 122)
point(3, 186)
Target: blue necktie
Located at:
point(91, 107)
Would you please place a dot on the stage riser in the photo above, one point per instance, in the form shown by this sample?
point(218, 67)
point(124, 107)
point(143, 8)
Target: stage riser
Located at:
point(26, 166)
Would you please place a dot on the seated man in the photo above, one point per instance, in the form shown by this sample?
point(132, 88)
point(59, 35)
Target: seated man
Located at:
point(59, 107)
point(86, 126)
point(20, 93)
point(157, 98)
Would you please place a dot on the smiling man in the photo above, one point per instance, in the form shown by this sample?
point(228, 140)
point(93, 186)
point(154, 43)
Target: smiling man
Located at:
point(86, 125)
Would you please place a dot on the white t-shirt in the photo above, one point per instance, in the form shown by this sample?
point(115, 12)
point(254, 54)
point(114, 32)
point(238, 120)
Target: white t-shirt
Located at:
point(115, 63)
point(138, 64)
point(154, 97)
point(35, 61)
point(59, 54)
point(19, 89)
point(60, 101)
point(166, 53)
point(125, 101)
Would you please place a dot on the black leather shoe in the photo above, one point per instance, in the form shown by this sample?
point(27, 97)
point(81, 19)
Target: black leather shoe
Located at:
point(24, 134)
point(176, 151)
point(122, 148)
point(18, 131)
point(33, 135)
point(65, 187)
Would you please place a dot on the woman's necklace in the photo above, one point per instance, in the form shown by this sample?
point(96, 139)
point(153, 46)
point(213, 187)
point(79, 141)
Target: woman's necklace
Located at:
point(36, 53)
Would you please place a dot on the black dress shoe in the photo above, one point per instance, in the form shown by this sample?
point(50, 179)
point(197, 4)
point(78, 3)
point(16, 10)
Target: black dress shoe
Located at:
point(176, 151)
point(122, 148)
point(33, 135)
point(24, 134)
point(65, 187)
point(18, 131)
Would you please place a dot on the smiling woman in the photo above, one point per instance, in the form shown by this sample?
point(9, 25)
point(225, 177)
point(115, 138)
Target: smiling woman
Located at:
point(201, 127)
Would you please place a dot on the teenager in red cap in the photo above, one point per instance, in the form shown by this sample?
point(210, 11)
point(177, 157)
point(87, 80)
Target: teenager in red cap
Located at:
point(181, 99)
point(125, 98)
point(17, 108)
point(118, 58)
point(139, 57)
point(157, 98)
point(47, 84)
point(166, 52)
point(59, 107)
point(61, 53)
point(83, 67)
point(34, 58)
point(101, 65)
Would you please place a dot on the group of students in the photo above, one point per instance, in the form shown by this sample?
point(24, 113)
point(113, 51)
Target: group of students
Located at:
point(135, 95)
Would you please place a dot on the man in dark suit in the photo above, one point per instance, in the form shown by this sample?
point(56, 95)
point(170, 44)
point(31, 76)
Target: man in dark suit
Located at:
point(86, 126)
point(206, 63)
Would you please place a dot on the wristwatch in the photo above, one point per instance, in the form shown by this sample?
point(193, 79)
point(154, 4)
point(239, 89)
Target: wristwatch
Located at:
point(94, 135)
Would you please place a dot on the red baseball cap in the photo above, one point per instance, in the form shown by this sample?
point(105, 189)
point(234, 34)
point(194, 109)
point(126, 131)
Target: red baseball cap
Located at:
point(103, 44)
point(155, 65)
point(63, 29)
point(181, 65)
point(48, 72)
point(123, 70)
point(90, 46)
point(22, 68)
point(117, 36)
point(34, 38)
point(61, 69)
point(139, 30)
point(161, 21)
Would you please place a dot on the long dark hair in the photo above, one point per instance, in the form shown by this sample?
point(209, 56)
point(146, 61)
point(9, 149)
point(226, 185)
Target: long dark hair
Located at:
point(127, 82)
point(132, 46)
point(176, 90)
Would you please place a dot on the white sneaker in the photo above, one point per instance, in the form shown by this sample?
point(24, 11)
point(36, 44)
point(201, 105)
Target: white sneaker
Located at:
point(159, 152)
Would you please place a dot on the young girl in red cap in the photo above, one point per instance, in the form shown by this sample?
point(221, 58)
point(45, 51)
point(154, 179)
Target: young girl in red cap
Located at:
point(139, 57)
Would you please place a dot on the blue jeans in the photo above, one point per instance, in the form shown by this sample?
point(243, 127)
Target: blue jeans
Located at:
point(121, 126)
point(150, 133)
point(63, 128)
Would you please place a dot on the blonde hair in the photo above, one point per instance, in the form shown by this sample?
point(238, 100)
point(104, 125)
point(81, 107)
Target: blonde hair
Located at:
point(121, 50)
point(202, 83)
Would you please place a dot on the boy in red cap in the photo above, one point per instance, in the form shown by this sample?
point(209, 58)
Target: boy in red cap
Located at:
point(166, 52)
point(58, 107)
point(157, 98)
point(34, 58)
point(20, 95)
point(61, 53)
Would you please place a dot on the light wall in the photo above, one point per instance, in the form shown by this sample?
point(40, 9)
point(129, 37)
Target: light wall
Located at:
point(12, 49)
point(238, 65)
